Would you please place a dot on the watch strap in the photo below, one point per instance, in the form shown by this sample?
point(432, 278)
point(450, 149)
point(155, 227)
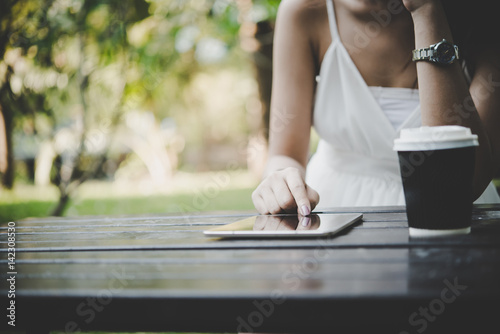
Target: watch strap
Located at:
point(422, 54)
point(428, 53)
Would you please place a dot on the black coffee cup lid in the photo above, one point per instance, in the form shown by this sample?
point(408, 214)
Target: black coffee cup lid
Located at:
point(435, 138)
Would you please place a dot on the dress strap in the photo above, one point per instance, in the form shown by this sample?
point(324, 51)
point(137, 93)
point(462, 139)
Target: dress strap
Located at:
point(331, 19)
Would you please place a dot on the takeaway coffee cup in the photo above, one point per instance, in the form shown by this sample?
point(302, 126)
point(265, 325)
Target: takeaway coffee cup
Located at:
point(437, 167)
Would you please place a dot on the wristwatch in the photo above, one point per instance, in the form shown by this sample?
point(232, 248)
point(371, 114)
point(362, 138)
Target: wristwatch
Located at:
point(442, 52)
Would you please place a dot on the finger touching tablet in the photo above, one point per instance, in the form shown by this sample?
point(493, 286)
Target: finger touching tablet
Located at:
point(287, 225)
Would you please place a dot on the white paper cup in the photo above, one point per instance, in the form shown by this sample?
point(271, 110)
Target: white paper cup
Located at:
point(437, 167)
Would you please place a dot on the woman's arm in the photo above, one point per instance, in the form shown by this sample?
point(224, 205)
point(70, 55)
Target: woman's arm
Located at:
point(445, 96)
point(294, 68)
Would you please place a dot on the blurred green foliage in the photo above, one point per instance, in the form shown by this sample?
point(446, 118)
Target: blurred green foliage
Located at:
point(98, 57)
point(90, 87)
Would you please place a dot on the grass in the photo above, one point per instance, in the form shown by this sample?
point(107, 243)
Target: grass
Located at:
point(212, 191)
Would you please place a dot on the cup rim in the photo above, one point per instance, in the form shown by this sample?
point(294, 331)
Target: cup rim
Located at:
point(427, 145)
point(435, 138)
point(423, 233)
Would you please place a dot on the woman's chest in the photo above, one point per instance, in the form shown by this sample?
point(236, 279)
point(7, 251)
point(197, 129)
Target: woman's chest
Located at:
point(382, 55)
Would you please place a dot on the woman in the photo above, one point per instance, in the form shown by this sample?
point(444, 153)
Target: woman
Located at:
point(368, 88)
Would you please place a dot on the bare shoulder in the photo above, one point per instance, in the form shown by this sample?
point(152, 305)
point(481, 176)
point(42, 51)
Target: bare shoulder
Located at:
point(305, 20)
point(307, 13)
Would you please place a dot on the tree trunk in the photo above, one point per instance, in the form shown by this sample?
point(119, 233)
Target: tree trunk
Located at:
point(61, 205)
point(6, 154)
point(3, 144)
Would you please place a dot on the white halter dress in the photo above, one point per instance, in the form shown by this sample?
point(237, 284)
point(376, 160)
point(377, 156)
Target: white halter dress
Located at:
point(354, 164)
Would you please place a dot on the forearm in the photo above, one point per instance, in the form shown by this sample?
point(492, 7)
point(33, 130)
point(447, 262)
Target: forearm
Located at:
point(442, 87)
point(444, 93)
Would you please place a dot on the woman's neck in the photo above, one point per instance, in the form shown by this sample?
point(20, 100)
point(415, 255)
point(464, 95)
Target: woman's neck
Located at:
point(379, 37)
point(385, 13)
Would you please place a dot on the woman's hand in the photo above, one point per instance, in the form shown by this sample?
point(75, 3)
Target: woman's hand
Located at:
point(284, 191)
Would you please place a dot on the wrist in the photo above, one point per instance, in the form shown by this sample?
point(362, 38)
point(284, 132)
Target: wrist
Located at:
point(279, 162)
point(426, 11)
point(430, 24)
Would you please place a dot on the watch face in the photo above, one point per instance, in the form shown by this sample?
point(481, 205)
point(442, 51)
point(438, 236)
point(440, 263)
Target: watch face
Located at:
point(444, 53)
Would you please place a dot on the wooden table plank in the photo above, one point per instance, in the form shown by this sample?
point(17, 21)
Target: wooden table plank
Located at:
point(150, 231)
point(159, 273)
point(267, 315)
point(194, 239)
point(122, 222)
point(241, 269)
point(326, 280)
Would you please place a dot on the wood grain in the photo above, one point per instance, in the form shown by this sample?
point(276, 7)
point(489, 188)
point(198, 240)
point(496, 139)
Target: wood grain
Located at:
point(160, 273)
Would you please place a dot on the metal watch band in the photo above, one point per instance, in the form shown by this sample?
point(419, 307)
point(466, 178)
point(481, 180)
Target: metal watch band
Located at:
point(429, 53)
point(422, 54)
point(457, 52)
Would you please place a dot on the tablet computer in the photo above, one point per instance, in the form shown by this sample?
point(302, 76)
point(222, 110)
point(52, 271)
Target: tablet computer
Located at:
point(286, 225)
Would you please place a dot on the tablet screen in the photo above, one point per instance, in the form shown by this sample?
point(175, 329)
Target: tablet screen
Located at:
point(286, 225)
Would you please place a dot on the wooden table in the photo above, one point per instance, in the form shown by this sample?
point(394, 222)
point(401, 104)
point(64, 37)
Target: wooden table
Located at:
point(160, 273)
